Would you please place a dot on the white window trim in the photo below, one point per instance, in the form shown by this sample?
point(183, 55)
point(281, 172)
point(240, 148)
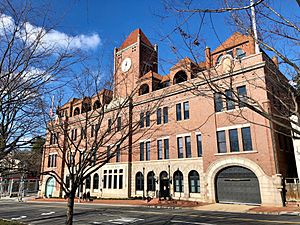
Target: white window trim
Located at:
point(145, 140)
point(183, 135)
point(233, 127)
point(163, 138)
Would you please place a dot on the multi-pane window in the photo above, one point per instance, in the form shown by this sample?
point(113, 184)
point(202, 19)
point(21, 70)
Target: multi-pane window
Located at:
point(141, 120)
point(142, 158)
point(148, 119)
point(88, 182)
point(242, 95)
point(120, 181)
point(186, 114)
point(92, 130)
point(166, 148)
point(233, 140)
point(148, 150)
point(247, 140)
point(97, 128)
point(188, 150)
point(115, 181)
point(118, 154)
point(96, 181)
point(180, 147)
point(83, 133)
point(139, 182)
point(165, 114)
point(229, 100)
point(199, 144)
point(151, 181)
point(108, 152)
point(74, 134)
point(109, 123)
point(158, 116)
point(53, 138)
point(178, 112)
point(119, 123)
point(218, 102)
point(221, 138)
point(194, 182)
point(110, 179)
point(178, 181)
point(159, 149)
point(52, 158)
point(105, 179)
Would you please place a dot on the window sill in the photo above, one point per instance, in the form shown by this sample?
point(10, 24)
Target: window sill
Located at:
point(236, 153)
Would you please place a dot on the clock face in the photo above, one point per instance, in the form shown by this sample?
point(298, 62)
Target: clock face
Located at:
point(126, 64)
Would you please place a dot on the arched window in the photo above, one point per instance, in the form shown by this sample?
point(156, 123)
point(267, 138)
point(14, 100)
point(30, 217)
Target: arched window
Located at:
point(240, 53)
point(76, 111)
point(139, 182)
point(86, 107)
point(96, 181)
point(194, 182)
point(179, 77)
point(219, 59)
point(178, 181)
point(88, 182)
point(96, 105)
point(151, 181)
point(144, 89)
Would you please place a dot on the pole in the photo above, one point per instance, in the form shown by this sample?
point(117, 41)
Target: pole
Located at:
point(253, 20)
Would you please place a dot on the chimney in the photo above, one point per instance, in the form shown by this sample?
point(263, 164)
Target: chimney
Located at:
point(275, 61)
point(207, 58)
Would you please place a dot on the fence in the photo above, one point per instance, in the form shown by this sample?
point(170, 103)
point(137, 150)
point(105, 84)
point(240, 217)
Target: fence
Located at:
point(292, 189)
point(18, 187)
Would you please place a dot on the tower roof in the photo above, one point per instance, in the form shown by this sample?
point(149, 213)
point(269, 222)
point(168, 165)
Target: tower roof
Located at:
point(133, 37)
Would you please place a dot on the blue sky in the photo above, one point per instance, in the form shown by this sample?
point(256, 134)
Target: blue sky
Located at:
point(113, 20)
point(98, 25)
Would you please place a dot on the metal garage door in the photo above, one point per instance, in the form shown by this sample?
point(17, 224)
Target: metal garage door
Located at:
point(238, 185)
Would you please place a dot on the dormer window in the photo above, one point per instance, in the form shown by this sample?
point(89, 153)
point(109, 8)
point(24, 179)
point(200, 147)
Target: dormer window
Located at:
point(144, 89)
point(219, 59)
point(76, 111)
point(180, 77)
point(240, 53)
point(96, 105)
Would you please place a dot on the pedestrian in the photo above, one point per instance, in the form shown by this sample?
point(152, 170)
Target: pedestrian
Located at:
point(84, 196)
point(88, 196)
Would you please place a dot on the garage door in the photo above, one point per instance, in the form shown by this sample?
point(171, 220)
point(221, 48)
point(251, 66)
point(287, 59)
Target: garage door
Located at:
point(237, 185)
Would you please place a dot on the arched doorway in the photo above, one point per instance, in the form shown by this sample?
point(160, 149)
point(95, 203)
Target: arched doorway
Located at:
point(49, 187)
point(236, 184)
point(164, 185)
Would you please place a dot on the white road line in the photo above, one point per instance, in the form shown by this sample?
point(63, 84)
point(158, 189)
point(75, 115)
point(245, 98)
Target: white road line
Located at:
point(185, 222)
point(46, 214)
point(18, 218)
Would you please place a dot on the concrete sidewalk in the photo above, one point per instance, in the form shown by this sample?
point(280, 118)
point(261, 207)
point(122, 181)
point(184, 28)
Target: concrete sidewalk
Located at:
point(175, 204)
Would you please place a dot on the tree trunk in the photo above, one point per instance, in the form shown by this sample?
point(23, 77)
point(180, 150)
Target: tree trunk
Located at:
point(70, 209)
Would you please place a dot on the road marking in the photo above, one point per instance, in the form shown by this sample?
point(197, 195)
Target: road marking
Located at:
point(181, 222)
point(221, 217)
point(18, 218)
point(46, 214)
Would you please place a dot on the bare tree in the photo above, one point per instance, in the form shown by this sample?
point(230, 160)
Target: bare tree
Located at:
point(29, 65)
point(92, 130)
point(273, 32)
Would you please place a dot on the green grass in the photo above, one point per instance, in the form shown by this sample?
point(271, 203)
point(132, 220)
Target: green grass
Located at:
point(6, 222)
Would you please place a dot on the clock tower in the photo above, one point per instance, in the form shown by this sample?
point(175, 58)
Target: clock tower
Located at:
point(132, 60)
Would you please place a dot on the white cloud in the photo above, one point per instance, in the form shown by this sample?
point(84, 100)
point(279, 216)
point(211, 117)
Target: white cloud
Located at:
point(49, 39)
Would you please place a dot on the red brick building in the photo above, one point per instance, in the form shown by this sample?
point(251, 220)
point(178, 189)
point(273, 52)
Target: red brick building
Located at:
point(197, 145)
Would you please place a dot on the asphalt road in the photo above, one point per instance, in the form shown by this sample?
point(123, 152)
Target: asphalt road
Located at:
point(54, 213)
